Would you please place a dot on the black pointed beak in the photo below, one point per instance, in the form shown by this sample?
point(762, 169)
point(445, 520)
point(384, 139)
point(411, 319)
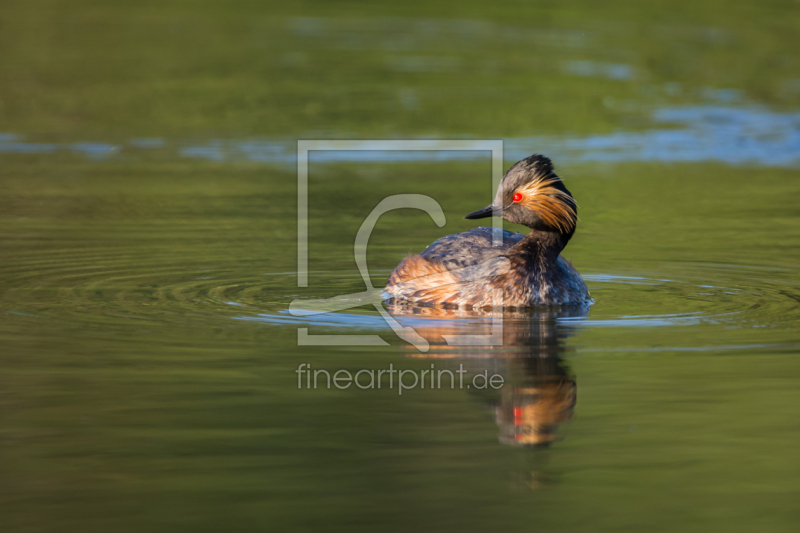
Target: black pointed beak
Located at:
point(483, 213)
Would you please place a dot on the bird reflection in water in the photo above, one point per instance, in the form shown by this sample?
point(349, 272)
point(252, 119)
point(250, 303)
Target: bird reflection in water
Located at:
point(544, 396)
point(538, 393)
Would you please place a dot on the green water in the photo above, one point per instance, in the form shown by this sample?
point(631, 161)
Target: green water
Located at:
point(148, 256)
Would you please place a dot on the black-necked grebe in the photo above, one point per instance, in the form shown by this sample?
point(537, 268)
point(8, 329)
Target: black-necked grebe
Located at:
point(467, 270)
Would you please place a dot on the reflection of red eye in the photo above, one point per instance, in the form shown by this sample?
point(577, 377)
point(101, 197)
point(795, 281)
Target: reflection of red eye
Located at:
point(517, 197)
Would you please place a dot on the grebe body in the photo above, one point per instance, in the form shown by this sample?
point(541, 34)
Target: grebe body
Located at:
point(471, 270)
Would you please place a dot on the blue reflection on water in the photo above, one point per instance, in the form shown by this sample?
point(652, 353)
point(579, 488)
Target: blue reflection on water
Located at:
point(94, 150)
point(377, 323)
point(11, 143)
point(753, 135)
point(732, 135)
point(602, 70)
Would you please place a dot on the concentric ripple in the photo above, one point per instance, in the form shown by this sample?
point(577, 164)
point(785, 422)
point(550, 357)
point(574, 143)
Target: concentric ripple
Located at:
point(675, 306)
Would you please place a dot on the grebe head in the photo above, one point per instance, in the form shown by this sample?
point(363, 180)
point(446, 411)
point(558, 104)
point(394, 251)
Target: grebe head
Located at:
point(532, 195)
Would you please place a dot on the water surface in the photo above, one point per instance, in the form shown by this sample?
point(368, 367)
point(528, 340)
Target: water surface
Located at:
point(148, 242)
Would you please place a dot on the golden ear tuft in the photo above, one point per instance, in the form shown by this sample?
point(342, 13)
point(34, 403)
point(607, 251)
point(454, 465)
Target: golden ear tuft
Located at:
point(555, 207)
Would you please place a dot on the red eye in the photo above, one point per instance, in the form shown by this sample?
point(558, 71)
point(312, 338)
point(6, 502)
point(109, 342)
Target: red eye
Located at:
point(517, 197)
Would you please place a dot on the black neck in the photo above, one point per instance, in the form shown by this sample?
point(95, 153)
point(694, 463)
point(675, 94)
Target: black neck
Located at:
point(543, 247)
